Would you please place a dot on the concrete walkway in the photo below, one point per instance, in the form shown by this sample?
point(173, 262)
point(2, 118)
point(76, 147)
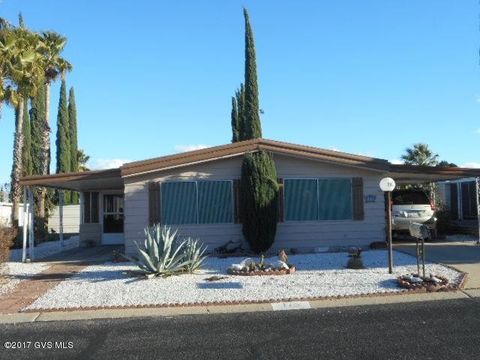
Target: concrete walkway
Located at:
point(464, 256)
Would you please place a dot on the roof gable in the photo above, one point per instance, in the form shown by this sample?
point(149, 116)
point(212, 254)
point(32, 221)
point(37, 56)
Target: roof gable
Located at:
point(243, 147)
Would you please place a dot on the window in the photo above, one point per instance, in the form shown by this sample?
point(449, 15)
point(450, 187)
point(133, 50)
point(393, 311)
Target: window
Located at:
point(214, 202)
point(197, 202)
point(318, 199)
point(90, 207)
point(301, 199)
point(112, 214)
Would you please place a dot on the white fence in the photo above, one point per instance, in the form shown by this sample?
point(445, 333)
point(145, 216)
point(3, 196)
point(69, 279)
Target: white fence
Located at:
point(71, 217)
point(6, 213)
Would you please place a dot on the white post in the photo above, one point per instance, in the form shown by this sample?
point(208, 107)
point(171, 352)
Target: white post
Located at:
point(60, 209)
point(24, 250)
point(82, 204)
point(477, 187)
point(31, 224)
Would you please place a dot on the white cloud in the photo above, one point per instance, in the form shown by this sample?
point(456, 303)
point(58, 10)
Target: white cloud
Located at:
point(396, 162)
point(100, 164)
point(475, 165)
point(192, 147)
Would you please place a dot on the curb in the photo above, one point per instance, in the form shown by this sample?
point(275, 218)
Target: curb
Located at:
point(135, 312)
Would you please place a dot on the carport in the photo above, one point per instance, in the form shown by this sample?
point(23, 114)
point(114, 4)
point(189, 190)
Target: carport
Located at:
point(414, 174)
point(103, 182)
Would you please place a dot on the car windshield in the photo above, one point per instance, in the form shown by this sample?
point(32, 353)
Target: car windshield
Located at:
point(410, 198)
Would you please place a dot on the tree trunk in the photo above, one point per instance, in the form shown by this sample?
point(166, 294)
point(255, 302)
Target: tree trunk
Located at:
point(17, 166)
point(45, 169)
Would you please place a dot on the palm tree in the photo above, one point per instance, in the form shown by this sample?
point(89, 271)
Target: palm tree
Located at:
point(420, 154)
point(54, 66)
point(82, 159)
point(22, 73)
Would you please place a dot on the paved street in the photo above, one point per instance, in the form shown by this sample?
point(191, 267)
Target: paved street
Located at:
point(430, 330)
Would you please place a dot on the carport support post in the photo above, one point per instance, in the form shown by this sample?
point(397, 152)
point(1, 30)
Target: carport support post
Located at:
point(389, 230)
point(60, 210)
point(477, 187)
point(25, 217)
point(31, 223)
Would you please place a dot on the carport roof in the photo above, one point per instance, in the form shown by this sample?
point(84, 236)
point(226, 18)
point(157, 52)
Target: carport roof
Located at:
point(80, 181)
point(418, 174)
point(112, 179)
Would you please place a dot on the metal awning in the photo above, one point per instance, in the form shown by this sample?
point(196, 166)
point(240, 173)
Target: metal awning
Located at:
point(81, 181)
point(409, 174)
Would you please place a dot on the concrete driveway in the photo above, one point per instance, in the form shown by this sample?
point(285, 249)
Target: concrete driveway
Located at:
point(464, 256)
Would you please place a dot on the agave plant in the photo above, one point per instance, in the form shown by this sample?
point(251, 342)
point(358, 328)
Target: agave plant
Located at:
point(194, 254)
point(164, 255)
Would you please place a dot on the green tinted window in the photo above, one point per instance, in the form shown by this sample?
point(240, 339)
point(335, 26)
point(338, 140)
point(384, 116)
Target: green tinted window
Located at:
point(301, 201)
point(215, 202)
point(179, 203)
point(318, 199)
point(335, 199)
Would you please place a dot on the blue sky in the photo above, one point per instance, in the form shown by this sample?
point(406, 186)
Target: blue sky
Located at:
point(371, 77)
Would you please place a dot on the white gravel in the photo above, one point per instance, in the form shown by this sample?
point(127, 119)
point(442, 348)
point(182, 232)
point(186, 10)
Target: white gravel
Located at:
point(318, 275)
point(12, 273)
point(47, 248)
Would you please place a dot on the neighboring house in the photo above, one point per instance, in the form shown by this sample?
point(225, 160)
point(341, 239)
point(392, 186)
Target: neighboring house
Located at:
point(6, 213)
point(328, 198)
point(460, 199)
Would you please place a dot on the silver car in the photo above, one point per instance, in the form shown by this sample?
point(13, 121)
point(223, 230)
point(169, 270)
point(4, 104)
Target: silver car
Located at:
point(409, 206)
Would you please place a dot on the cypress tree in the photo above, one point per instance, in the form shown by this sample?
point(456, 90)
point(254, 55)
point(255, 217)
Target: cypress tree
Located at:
point(253, 127)
point(238, 123)
point(259, 200)
point(72, 117)
point(27, 142)
point(63, 133)
point(38, 125)
point(234, 117)
point(258, 182)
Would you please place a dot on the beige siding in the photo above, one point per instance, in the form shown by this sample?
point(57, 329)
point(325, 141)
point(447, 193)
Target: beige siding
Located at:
point(290, 234)
point(90, 233)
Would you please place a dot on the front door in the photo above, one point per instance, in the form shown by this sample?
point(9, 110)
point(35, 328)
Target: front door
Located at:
point(112, 219)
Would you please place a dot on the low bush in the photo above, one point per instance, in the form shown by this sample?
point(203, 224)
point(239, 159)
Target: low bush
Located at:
point(7, 238)
point(163, 254)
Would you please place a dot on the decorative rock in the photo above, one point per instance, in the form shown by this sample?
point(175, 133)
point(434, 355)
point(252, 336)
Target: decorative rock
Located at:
point(281, 265)
point(282, 256)
point(430, 284)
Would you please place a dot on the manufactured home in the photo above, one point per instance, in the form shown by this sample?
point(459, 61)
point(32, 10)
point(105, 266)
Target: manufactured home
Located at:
point(328, 198)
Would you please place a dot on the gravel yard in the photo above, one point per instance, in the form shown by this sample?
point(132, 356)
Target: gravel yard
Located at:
point(318, 275)
point(12, 273)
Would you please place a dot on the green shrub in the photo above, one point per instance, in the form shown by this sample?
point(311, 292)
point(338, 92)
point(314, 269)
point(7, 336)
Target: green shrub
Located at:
point(164, 255)
point(259, 200)
point(7, 237)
